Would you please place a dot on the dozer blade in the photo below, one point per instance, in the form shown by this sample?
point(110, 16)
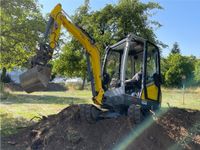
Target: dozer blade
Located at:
point(35, 79)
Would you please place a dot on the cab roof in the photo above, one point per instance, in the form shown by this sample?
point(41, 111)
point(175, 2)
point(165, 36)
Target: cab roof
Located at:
point(136, 44)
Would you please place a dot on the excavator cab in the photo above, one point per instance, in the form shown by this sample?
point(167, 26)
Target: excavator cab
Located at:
point(131, 74)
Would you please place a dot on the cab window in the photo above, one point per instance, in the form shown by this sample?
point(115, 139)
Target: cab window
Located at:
point(113, 68)
point(152, 62)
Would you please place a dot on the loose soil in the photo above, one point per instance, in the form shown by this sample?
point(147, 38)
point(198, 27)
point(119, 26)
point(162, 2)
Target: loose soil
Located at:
point(173, 129)
point(51, 87)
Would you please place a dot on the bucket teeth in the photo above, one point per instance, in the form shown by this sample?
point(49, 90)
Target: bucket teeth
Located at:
point(35, 79)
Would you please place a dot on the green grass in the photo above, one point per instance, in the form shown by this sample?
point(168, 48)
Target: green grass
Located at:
point(183, 99)
point(19, 108)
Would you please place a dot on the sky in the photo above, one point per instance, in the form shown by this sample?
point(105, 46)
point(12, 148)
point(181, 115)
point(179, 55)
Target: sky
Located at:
point(180, 21)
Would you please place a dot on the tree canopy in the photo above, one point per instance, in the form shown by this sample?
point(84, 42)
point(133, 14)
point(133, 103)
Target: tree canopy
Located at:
point(178, 69)
point(178, 66)
point(106, 26)
point(70, 63)
point(197, 71)
point(21, 26)
point(175, 48)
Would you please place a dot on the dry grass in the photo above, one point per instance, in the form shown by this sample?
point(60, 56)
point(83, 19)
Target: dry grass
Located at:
point(188, 98)
point(187, 90)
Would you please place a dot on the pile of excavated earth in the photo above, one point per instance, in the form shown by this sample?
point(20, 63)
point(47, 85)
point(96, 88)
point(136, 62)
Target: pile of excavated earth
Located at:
point(170, 129)
point(17, 87)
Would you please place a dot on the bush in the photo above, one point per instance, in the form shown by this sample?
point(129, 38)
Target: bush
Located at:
point(197, 72)
point(174, 67)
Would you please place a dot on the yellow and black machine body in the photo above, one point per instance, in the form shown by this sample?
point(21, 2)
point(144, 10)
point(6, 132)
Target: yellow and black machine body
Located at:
point(127, 82)
point(131, 72)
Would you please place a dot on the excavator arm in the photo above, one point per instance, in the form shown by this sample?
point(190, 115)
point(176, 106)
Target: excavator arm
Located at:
point(57, 19)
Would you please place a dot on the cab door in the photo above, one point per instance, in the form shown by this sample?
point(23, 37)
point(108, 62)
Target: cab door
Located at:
point(151, 77)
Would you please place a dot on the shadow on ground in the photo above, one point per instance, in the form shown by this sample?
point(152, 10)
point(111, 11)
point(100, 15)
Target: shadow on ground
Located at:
point(11, 125)
point(51, 87)
point(36, 99)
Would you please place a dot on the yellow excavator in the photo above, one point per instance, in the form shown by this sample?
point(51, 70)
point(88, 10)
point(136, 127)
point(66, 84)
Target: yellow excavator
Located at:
point(127, 82)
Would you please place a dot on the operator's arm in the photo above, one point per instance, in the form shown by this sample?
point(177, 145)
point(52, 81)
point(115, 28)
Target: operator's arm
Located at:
point(58, 18)
point(136, 77)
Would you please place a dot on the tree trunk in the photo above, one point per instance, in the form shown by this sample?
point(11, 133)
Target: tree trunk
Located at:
point(83, 84)
point(3, 74)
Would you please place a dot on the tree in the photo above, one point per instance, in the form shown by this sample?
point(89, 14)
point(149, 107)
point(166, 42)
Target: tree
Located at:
point(175, 67)
point(114, 22)
point(21, 27)
point(71, 63)
point(4, 78)
point(175, 49)
point(197, 71)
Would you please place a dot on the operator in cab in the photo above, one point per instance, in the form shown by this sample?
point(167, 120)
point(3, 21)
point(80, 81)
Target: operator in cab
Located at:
point(134, 84)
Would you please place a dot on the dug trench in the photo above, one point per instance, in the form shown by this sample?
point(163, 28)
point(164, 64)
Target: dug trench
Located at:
point(173, 128)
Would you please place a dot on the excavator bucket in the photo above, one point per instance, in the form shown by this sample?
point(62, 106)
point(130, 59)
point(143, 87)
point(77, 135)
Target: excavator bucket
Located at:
point(35, 79)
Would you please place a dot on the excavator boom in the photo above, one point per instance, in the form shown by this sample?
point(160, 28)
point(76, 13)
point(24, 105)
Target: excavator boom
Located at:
point(57, 19)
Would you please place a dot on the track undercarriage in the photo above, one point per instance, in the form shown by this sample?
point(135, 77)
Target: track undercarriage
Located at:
point(91, 113)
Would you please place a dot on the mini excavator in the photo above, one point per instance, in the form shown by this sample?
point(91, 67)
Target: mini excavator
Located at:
point(127, 82)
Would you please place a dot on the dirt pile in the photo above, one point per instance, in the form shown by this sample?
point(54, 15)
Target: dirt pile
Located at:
point(51, 87)
point(12, 87)
point(175, 129)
